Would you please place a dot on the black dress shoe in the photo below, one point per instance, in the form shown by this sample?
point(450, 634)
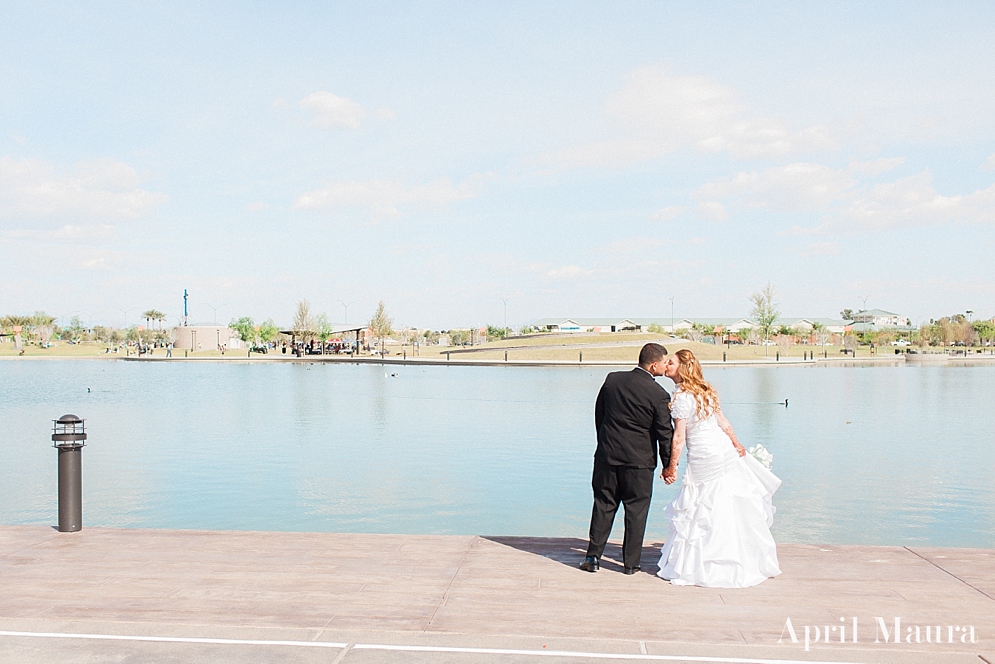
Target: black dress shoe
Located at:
point(631, 570)
point(590, 564)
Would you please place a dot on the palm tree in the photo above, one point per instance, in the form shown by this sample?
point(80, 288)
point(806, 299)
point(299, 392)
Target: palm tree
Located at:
point(16, 323)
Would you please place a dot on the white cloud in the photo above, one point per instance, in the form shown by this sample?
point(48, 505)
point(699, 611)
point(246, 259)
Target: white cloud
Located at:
point(631, 248)
point(569, 272)
point(67, 234)
point(912, 201)
point(384, 198)
point(103, 189)
point(668, 213)
point(848, 206)
point(788, 188)
point(818, 249)
point(333, 111)
point(876, 166)
point(712, 210)
point(990, 163)
point(656, 113)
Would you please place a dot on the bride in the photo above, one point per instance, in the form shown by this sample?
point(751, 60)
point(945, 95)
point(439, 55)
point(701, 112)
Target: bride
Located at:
point(720, 520)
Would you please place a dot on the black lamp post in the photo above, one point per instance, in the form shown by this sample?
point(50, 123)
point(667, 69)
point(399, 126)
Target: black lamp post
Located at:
point(69, 436)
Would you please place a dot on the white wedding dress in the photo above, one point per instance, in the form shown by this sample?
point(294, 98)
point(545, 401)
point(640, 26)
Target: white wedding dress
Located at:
point(720, 521)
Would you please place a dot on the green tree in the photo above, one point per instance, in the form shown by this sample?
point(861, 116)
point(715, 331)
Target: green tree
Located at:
point(268, 331)
point(323, 330)
point(985, 330)
point(17, 325)
point(846, 314)
point(497, 333)
point(459, 337)
point(246, 329)
point(765, 312)
point(76, 328)
point(381, 324)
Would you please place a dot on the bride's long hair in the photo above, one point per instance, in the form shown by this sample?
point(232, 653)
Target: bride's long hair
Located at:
point(694, 383)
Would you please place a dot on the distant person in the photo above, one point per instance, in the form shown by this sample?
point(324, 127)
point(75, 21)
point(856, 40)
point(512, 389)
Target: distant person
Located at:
point(632, 418)
point(719, 534)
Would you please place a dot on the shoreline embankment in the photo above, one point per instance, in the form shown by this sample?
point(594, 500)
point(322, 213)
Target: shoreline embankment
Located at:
point(885, 360)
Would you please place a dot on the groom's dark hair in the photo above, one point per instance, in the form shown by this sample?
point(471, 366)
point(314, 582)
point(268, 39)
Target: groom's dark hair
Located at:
point(651, 353)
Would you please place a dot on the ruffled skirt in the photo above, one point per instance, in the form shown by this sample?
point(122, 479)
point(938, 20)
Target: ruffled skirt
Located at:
point(719, 533)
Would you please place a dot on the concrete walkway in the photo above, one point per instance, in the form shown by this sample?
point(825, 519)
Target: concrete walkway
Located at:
point(108, 595)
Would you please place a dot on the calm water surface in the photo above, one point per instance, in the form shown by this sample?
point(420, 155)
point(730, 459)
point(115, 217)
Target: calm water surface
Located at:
point(876, 455)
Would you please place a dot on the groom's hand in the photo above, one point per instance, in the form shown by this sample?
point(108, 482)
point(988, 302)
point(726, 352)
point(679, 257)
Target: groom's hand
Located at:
point(669, 475)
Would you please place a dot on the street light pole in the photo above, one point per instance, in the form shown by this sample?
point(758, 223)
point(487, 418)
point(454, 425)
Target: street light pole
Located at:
point(125, 312)
point(346, 307)
point(671, 316)
point(215, 308)
point(505, 300)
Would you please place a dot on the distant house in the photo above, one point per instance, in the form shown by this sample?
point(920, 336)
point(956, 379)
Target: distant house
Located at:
point(723, 324)
point(831, 325)
point(587, 324)
point(720, 325)
point(880, 318)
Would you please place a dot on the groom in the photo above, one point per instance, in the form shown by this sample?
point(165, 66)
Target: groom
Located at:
point(632, 416)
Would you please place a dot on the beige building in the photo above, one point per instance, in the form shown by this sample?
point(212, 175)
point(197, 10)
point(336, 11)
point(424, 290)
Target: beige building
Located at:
point(205, 337)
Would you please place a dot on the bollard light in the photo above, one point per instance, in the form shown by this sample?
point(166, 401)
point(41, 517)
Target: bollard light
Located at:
point(69, 437)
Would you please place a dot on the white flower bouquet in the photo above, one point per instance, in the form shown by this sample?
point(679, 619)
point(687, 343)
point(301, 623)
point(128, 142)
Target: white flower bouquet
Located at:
point(761, 454)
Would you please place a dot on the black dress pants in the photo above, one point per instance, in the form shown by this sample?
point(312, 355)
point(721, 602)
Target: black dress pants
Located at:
point(633, 488)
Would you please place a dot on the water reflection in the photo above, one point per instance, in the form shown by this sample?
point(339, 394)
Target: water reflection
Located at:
point(883, 455)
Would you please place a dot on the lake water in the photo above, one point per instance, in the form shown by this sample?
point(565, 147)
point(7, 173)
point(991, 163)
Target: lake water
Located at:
point(868, 455)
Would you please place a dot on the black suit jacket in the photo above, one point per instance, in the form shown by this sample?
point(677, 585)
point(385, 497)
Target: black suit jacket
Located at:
point(632, 416)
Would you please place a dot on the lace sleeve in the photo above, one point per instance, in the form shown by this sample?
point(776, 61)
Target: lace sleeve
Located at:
point(682, 407)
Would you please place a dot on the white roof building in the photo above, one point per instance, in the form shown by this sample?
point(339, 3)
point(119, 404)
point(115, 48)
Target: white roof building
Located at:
point(881, 318)
point(732, 325)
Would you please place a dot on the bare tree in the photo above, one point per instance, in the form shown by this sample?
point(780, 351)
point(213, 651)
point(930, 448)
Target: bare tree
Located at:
point(823, 336)
point(765, 312)
point(304, 321)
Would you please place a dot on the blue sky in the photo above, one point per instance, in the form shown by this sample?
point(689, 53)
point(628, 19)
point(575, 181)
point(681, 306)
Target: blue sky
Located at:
point(575, 158)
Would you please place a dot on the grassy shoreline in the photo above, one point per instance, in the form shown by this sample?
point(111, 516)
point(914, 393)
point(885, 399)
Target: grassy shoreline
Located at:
point(609, 349)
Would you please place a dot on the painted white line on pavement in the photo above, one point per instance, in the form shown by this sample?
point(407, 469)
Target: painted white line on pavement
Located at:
point(593, 655)
point(175, 639)
point(435, 649)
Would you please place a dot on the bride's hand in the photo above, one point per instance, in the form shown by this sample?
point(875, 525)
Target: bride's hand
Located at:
point(740, 449)
point(669, 475)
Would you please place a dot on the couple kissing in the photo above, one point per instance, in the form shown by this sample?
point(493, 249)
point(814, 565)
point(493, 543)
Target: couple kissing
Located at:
point(719, 532)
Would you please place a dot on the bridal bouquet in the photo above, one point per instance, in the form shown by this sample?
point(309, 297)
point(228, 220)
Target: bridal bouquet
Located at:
point(761, 454)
